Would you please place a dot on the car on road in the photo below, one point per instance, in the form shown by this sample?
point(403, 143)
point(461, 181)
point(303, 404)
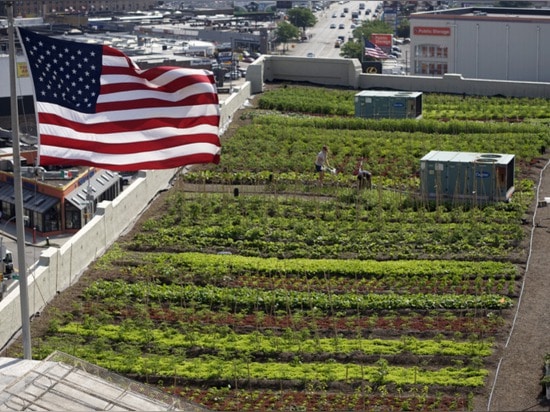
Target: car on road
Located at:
point(232, 75)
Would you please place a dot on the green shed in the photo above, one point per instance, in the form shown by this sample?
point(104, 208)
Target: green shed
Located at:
point(376, 104)
point(465, 176)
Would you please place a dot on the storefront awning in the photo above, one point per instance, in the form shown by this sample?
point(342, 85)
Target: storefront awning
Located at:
point(37, 202)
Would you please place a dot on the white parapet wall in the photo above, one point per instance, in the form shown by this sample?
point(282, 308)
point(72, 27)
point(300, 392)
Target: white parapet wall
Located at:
point(323, 71)
point(60, 267)
point(347, 73)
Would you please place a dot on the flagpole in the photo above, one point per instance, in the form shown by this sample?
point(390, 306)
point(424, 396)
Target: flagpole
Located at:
point(18, 191)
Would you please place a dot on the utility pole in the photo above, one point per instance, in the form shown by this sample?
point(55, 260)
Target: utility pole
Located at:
point(18, 189)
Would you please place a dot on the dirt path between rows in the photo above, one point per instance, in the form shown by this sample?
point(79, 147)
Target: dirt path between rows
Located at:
point(515, 384)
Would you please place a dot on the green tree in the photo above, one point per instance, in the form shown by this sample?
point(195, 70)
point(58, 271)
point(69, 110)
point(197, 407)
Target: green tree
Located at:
point(372, 26)
point(404, 29)
point(285, 32)
point(301, 17)
point(352, 50)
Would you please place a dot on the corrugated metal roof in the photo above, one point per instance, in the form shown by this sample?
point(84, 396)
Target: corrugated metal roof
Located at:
point(98, 184)
point(35, 201)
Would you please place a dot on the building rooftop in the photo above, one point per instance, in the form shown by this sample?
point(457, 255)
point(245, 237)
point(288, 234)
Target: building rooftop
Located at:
point(65, 383)
point(488, 13)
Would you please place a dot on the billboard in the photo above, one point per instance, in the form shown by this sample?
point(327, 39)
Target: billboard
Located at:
point(381, 40)
point(254, 7)
point(372, 67)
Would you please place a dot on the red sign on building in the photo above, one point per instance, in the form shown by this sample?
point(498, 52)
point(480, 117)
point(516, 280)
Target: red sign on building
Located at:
point(381, 40)
point(432, 31)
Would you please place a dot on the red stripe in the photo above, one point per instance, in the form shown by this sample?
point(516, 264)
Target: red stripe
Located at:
point(195, 100)
point(194, 76)
point(134, 125)
point(111, 51)
point(172, 87)
point(158, 164)
point(128, 147)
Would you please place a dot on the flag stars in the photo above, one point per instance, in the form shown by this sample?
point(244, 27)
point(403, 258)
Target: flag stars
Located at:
point(66, 73)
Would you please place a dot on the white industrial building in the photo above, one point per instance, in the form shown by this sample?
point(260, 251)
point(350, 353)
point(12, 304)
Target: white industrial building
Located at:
point(482, 43)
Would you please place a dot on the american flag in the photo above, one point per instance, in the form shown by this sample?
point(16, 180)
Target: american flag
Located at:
point(373, 50)
point(95, 107)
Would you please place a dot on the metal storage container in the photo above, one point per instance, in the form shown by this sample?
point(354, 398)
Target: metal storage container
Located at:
point(460, 176)
point(375, 104)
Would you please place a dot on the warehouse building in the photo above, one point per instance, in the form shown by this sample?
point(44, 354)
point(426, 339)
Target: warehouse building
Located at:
point(482, 43)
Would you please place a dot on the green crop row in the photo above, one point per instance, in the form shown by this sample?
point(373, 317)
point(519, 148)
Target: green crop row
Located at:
point(260, 226)
point(315, 100)
point(364, 276)
point(221, 265)
point(226, 341)
point(251, 299)
point(208, 367)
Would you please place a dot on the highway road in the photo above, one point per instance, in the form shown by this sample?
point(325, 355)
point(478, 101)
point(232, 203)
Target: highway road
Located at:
point(323, 37)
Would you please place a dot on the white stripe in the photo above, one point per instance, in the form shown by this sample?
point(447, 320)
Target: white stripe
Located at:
point(126, 137)
point(130, 114)
point(195, 89)
point(115, 61)
point(176, 73)
point(122, 159)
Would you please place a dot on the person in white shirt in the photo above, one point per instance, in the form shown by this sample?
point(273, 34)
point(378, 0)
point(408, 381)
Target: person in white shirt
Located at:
point(321, 163)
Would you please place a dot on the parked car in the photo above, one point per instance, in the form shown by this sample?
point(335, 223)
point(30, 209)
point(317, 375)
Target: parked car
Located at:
point(233, 75)
point(341, 26)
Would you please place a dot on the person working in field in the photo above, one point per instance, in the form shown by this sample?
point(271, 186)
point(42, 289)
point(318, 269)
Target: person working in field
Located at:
point(321, 163)
point(363, 176)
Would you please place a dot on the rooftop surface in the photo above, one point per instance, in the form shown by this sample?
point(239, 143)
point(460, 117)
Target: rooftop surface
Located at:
point(64, 383)
point(489, 13)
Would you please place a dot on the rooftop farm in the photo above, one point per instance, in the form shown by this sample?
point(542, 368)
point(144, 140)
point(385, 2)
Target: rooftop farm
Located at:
point(251, 287)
